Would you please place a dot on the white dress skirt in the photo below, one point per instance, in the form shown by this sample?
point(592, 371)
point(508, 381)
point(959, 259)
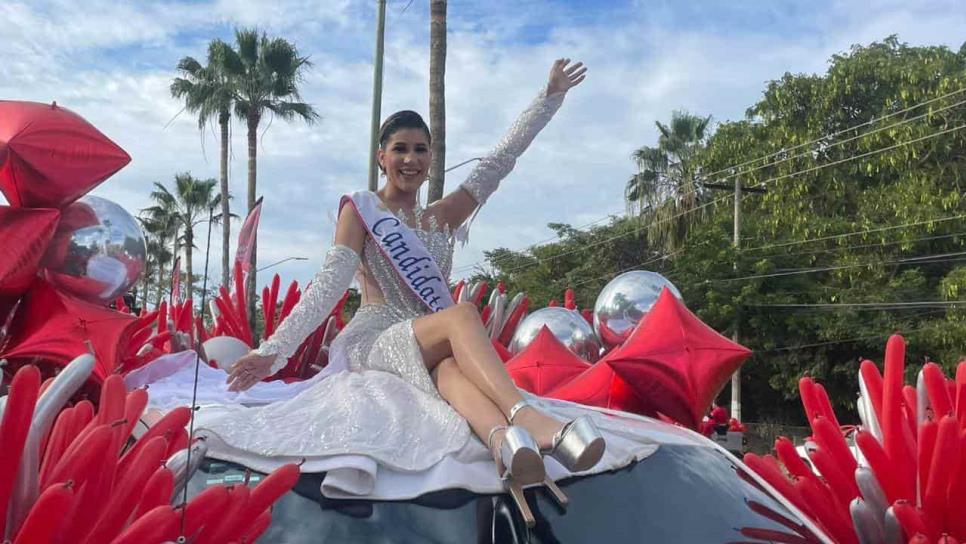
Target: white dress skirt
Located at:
point(373, 419)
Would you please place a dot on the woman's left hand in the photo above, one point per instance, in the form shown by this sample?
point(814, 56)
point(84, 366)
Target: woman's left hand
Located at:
point(563, 77)
point(249, 370)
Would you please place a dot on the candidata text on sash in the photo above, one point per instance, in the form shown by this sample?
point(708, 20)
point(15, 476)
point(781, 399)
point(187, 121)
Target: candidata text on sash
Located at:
point(409, 267)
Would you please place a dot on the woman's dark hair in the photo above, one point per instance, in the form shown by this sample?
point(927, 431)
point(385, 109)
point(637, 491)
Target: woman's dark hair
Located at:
point(400, 120)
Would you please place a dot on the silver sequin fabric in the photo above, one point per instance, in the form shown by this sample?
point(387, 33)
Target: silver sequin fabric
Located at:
point(386, 405)
point(327, 287)
point(486, 176)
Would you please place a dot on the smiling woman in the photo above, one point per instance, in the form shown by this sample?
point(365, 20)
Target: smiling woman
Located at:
point(413, 373)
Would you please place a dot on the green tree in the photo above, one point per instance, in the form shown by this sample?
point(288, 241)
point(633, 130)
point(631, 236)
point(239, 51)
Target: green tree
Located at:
point(188, 205)
point(266, 73)
point(873, 214)
point(209, 92)
point(667, 185)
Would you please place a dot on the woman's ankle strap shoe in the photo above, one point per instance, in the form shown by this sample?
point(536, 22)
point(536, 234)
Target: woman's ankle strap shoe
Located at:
point(521, 456)
point(578, 445)
point(516, 408)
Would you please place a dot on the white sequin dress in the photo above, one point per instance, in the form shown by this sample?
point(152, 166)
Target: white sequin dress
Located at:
point(376, 409)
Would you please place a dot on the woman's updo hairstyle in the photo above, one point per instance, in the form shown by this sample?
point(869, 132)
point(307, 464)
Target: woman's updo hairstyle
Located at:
point(400, 120)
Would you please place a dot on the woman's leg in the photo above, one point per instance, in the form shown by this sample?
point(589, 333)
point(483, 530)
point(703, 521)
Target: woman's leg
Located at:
point(458, 333)
point(471, 403)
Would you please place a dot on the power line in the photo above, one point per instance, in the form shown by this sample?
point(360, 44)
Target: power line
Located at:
point(866, 305)
point(843, 131)
point(858, 232)
point(924, 259)
point(534, 245)
point(765, 157)
point(921, 259)
point(834, 144)
point(729, 197)
point(777, 255)
point(855, 339)
point(862, 246)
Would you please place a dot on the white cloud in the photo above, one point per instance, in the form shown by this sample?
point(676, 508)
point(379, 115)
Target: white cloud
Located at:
point(112, 63)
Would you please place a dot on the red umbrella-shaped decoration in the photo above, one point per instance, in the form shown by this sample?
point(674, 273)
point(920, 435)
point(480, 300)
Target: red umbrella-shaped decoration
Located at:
point(53, 327)
point(545, 364)
point(676, 361)
point(50, 156)
point(25, 234)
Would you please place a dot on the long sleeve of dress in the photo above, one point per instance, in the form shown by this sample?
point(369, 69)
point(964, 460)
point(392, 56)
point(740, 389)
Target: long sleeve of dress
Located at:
point(328, 286)
point(486, 176)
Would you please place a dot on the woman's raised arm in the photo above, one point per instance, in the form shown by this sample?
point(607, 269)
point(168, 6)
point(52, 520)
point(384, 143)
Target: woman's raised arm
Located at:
point(485, 178)
point(329, 284)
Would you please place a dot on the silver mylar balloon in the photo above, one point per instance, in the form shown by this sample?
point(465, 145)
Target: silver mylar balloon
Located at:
point(566, 325)
point(624, 302)
point(98, 251)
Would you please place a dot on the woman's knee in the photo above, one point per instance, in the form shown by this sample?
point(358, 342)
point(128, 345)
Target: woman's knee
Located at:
point(466, 312)
point(445, 374)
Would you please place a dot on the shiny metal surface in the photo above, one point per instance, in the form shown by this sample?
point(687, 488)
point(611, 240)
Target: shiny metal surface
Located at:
point(566, 325)
point(579, 446)
point(624, 301)
point(98, 251)
point(520, 454)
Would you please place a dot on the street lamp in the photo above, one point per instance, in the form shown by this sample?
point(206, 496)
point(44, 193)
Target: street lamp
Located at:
point(282, 261)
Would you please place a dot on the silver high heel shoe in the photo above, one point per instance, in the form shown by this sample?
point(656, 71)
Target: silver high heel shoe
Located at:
point(522, 465)
point(578, 445)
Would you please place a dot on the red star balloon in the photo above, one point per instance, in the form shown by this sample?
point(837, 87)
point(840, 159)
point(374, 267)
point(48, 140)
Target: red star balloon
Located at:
point(601, 386)
point(50, 156)
point(545, 364)
point(52, 327)
point(25, 234)
point(675, 361)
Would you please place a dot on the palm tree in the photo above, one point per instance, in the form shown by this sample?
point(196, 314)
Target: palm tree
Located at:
point(159, 228)
point(158, 257)
point(266, 73)
point(188, 205)
point(208, 91)
point(667, 185)
point(437, 97)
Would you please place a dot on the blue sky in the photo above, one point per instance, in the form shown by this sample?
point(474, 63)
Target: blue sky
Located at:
point(112, 62)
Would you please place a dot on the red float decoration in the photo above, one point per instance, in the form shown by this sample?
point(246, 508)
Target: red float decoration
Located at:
point(50, 156)
point(25, 234)
point(671, 365)
point(545, 364)
point(601, 386)
point(676, 361)
point(54, 328)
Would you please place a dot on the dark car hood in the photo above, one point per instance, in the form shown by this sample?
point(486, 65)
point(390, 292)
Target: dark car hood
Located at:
point(683, 493)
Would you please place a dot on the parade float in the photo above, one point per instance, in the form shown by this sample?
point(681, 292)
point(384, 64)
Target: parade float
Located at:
point(83, 462)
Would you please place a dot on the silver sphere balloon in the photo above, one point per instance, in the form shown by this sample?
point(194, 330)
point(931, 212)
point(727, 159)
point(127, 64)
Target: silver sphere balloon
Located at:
point(568, 326)
point(625, 301)
point(98, 251)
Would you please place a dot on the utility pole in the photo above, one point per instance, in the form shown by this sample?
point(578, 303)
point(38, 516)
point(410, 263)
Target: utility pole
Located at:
point(437, 97)
point(738, 189)
point(377, 96)
point(736, 377)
